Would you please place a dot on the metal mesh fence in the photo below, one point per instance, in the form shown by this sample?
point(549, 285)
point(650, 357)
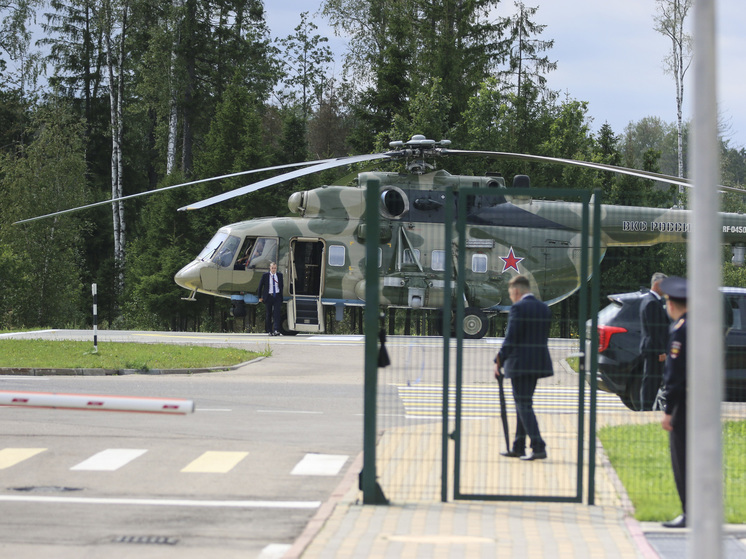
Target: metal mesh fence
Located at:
point(631, 462)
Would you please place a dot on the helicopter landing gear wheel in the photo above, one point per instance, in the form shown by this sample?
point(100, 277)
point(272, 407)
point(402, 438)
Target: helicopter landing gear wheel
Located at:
point(475, 323)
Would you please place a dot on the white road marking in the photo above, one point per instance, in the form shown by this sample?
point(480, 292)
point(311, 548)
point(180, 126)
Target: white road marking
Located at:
point(319, 465)
point(110, 459)
point(288, 411)
point(274, 551)
point(215, 462)
point(338, 338)
point(165, 502)
point(14, 334)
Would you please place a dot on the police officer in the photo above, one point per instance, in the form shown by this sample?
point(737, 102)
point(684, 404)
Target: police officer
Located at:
point(674, 388)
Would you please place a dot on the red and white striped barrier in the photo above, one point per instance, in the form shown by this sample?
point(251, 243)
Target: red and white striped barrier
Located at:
point(95, 402)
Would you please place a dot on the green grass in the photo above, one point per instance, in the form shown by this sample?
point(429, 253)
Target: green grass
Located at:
point(640, 456)
point(110, 355)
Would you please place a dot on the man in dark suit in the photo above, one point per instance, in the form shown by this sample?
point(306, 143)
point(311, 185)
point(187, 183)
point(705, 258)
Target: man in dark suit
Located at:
point(674, 389)
point(654, 325)
point(525, 357)
point(270, 293)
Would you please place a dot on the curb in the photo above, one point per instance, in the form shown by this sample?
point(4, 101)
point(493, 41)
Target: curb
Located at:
point(315, 525)
point(38, 372)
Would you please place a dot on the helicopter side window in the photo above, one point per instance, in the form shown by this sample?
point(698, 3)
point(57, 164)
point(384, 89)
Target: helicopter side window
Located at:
point(227, 251)
point(265, 252)
point(336, 255)
point(438, 260)
point(479, 263)
point(380, 259)
point(209, 251)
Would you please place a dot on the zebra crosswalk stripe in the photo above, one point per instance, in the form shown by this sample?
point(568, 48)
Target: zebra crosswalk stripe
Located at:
point(422, 401)
point(110, 459)
point(12, 456)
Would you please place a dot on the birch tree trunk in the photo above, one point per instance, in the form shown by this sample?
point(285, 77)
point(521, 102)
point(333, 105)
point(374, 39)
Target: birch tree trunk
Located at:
point(670, 22)
point(173, 110)
point(115, 67)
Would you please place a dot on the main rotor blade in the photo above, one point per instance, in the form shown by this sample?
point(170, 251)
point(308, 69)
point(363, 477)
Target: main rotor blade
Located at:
point(190, 183)
point(588, 164)
point(282, 178)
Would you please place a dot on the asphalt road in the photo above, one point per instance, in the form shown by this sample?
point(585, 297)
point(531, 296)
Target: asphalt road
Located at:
point(219, 482)
point(241, 477)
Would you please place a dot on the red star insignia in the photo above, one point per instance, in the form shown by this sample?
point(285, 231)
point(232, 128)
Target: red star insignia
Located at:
point(511, 261)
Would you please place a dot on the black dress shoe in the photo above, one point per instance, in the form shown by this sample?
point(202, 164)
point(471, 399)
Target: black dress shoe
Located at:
point(511, 453)
point(678, 522)
point(541, 455)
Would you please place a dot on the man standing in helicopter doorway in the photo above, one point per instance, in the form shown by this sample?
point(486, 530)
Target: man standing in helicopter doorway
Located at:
point(270, 293)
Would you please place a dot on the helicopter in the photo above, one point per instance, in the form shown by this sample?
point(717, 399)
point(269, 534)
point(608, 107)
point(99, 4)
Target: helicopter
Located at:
point(321, 249)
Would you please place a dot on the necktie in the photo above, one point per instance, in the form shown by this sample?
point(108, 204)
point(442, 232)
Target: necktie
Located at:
point(274, 284)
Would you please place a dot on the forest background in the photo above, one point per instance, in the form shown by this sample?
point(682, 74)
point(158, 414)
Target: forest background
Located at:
point(121, 97)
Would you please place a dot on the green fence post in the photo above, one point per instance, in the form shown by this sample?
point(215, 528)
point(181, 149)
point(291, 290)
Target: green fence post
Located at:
point(595, 289)
point(372, 493)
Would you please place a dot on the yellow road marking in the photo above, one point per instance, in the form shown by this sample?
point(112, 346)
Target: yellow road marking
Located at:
point(215, 462)
point(12, 456)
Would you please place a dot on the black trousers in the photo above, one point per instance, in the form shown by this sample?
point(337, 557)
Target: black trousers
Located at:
point(273, 313)
point(652, 374)
point(523, 395)
point(677, 445)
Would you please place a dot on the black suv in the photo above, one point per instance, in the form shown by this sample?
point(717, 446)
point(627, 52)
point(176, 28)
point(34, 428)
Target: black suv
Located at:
point(619, 359)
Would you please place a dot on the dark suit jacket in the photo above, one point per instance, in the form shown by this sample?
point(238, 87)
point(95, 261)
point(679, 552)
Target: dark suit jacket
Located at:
point(525, 350)
point(263, 290)
point(654, 324)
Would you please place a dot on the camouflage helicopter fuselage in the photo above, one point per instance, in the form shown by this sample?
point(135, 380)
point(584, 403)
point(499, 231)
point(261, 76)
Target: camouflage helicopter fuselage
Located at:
point(322, 250)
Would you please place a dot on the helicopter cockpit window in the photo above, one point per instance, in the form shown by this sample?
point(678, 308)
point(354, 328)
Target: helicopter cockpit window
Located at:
point(410, 258)
point(479, 263)
point(264, 253)
point(227, 251)
point(245, 254)
point(336, 255)
point(209, 251)
point(438, 260)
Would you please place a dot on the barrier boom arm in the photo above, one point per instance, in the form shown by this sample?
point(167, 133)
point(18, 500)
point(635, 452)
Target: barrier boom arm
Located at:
point(95, 402)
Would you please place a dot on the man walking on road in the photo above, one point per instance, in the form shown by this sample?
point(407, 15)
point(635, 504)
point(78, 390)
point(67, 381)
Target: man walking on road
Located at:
point(525, 357)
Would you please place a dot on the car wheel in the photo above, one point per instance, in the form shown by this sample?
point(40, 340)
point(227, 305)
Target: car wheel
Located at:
point(631, 397)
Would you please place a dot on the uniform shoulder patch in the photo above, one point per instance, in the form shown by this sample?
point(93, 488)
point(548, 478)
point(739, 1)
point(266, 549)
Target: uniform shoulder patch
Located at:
point(679, 324)
point(675, 349)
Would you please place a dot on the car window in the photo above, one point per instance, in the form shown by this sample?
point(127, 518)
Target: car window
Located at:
point(737, 318)
point(608, 313)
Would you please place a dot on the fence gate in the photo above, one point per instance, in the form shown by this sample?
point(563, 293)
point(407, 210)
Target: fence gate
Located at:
point(477, 428)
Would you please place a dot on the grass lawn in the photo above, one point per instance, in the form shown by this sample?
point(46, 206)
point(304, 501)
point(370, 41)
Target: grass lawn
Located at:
point(111, 355)
point(640, 456)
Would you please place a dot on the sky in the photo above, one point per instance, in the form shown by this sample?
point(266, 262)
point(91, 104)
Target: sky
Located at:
point(608, 54)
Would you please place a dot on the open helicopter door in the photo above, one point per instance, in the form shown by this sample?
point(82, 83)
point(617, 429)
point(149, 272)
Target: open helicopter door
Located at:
point(305, 312)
